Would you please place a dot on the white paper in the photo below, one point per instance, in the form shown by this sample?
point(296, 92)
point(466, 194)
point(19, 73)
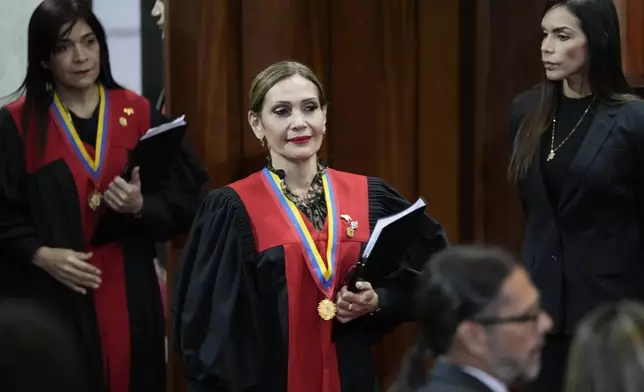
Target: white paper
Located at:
point(181, 121)
point(384, 222)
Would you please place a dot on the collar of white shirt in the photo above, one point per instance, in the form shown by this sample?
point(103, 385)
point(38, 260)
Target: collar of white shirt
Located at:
point(491, 382)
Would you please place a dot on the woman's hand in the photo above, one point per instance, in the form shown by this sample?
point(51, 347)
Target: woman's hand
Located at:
point(69, 268)
point(125, 197)
point(353, 305)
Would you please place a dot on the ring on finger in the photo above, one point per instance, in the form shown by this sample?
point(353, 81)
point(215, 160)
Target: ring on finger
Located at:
point(350, 306)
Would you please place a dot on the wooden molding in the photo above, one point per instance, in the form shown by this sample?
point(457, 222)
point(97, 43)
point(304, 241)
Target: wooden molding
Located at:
point(631, 15)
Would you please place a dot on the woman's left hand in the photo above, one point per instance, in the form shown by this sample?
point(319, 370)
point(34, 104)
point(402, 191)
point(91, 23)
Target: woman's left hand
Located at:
point(125, 197)
point(353, 305)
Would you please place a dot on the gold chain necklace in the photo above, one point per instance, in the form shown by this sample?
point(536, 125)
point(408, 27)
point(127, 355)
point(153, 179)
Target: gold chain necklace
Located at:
point(553, 149)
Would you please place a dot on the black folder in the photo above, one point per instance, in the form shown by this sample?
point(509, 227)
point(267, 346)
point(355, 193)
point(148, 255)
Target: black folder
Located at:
point(153, 155)
point(390, 238)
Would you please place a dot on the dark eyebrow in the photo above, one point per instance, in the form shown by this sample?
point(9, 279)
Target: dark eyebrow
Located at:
point(66, 39)
point(561, 29)
point(277, 103)
point(288, 103)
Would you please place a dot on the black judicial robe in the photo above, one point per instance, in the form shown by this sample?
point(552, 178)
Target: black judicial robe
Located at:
point(245, 296)
point(44, 202)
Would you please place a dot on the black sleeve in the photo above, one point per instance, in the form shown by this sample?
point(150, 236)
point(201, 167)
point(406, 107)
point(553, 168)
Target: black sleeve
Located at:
point(18, 242)
point(631, 119)
point(170, 206)
point(215, 300)
point(396, 296)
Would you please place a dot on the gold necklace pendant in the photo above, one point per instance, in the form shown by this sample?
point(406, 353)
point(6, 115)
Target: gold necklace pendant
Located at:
point(95, 200)
point(554, 149)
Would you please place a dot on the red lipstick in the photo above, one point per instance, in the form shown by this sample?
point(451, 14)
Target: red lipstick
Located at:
point(299, 139)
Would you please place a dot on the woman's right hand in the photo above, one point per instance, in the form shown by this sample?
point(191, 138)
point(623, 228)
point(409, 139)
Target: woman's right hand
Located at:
point(69, 267)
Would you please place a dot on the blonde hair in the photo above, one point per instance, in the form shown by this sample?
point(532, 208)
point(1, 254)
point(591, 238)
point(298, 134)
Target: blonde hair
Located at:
point(274, 74)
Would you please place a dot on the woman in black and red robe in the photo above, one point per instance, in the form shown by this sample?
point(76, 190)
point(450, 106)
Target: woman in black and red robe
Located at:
point(259, 300)
point(63, 149)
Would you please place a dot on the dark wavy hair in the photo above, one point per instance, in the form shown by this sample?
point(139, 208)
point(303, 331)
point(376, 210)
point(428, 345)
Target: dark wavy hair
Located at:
point(44, 33)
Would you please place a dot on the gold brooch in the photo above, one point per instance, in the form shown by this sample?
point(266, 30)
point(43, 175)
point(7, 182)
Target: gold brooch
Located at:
point(353, 225)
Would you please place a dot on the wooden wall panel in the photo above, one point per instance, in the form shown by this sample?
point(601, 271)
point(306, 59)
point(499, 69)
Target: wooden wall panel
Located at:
point(631, 14)
point(273, 31)
point(439, 112)
point(372, 124)
point(507, 62)
point(391, 72)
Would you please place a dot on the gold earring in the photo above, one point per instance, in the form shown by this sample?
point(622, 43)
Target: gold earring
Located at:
point(261, 142)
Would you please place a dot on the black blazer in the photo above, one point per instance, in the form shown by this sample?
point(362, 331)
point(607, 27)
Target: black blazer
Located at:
point(447, 377)
point(593, 237)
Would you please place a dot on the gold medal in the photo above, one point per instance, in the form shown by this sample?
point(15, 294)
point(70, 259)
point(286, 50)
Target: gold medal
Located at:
point(95, 200)
point(326, 309)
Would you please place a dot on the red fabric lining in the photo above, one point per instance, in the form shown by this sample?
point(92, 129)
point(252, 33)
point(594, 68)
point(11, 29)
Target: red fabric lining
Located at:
point(312, 360)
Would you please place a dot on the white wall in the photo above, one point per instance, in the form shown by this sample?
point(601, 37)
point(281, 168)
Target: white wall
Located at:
point(14, 19)
point(122, 22)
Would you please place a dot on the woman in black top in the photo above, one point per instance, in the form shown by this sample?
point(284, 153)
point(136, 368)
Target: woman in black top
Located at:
point(577, 162)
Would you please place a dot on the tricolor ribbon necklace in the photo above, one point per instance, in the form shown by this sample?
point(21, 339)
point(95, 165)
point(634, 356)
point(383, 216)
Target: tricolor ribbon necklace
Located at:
point(323, 270)
point(94, 164)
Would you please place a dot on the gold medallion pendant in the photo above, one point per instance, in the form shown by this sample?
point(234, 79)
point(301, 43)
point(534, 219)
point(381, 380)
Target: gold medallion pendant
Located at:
point(95, 200)
point(326, 309)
